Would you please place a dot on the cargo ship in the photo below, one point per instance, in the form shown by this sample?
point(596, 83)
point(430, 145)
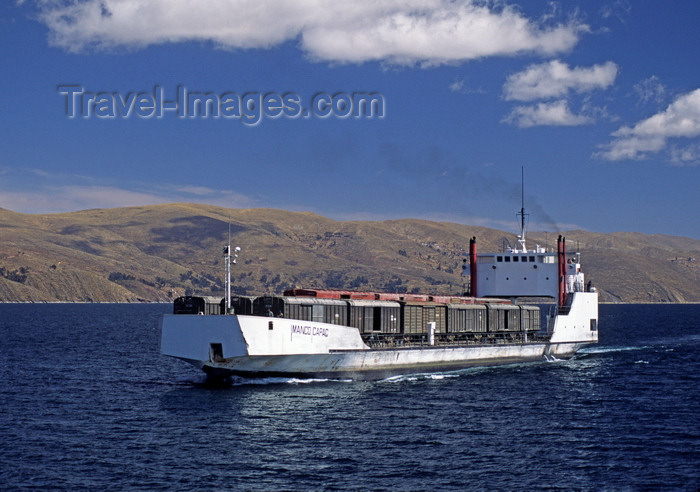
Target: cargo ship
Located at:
point(337, 334)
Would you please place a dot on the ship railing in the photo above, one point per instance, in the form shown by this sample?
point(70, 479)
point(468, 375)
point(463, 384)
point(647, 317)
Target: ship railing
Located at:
point(411, 340)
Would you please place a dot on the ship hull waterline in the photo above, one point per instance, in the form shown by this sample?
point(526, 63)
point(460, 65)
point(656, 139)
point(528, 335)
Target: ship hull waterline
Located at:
point(384, 363)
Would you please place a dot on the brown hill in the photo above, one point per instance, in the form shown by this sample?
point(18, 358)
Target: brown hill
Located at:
point(157, 252)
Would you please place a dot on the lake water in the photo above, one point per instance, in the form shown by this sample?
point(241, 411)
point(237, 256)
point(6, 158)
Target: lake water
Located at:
point(87, 402)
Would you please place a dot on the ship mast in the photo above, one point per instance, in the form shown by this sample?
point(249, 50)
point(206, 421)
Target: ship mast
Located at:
point(522, 214)
point(227, 255)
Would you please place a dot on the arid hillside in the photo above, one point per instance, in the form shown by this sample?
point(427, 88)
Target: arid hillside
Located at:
point(155, 253)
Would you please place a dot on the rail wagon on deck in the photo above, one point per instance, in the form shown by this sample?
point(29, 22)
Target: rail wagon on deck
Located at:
point(374, 314)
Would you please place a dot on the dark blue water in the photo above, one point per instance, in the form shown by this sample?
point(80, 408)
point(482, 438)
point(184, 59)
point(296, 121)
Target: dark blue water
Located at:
point(87, 402)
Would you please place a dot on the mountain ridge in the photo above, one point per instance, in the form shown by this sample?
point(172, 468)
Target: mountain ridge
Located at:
point(157, 252)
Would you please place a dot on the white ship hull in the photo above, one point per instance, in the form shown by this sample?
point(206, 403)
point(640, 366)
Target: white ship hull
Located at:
point(380, 364)
point(256, 346)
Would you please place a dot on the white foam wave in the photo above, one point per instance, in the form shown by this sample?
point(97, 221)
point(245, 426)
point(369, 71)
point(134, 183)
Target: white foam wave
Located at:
point(237, 381)
point(604, 350)
point(551, 358)
point(435, 376)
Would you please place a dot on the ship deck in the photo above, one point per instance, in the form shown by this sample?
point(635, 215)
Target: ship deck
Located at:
point(397, 341)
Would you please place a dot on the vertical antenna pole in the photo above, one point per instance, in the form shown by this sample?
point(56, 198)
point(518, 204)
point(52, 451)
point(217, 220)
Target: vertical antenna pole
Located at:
point(522, 208)
point(473, 287)
point(227, 254)
point(561, 260)
point(522, 214)
point(522, 202)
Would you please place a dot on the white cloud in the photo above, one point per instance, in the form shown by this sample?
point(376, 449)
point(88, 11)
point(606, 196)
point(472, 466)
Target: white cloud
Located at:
point(555, 79)
point(71, 198)
point(53, 193)
point(457, 85)
point(681, 119)
point(686, 156)
point(650, 90)
point(407, 32)
point(554, 113)
point(460, 86)
point(41, 173)
point(197, 190)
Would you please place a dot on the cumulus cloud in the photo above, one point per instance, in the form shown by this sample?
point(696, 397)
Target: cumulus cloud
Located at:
point(555, 79)
point(556, 113)
point(681, 119)
point(405, 32)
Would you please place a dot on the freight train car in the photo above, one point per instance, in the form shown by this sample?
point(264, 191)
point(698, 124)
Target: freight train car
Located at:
point(409, 318)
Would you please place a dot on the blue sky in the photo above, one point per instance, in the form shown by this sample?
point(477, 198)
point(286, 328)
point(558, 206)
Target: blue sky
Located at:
point(598, 101)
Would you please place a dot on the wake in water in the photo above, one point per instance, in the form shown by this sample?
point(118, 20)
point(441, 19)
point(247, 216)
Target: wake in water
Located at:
point(235, 381)
point(433, 376)
point(422, 377)
point(605, 350)
point(668, 343)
